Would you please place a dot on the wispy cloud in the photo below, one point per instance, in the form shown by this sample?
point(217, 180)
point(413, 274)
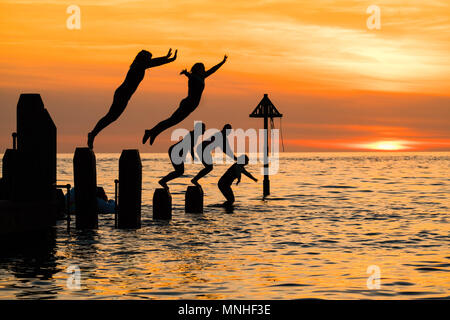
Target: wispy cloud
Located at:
point(290, 48)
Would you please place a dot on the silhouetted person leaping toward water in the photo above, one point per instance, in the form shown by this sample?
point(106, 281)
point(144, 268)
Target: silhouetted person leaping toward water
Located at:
point(196, 84)
point(124, 92)
point(204, 150)
point(179, 157)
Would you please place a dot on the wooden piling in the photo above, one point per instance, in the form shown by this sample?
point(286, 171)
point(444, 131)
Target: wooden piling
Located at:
point(9, 171)
point(2, 190)
point(14, 136)
point(48, 157)
point(36, 146)
point(162, 204)
point(29, 109)
point(30, 170)
point(130, 190)
point(193, 202)
point(85, 180)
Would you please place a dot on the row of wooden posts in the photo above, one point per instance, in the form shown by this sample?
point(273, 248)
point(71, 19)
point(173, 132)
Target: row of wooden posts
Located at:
point(128, 206)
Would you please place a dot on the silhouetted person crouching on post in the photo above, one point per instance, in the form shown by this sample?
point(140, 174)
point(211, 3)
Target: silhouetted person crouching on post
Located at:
point(179, 158)
point(124, 92)
point(233, 173)
point(205, 149)
point(196, 84)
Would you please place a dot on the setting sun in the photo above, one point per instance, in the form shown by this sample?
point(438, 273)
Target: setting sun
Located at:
point(384, 145)
point(387, 145)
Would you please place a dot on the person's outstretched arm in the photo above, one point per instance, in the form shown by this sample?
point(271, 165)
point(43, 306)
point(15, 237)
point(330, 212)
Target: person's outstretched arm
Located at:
point(248, 174)
point(185, 72)
point(155, 62)
point(238, 178)
point(216, 67)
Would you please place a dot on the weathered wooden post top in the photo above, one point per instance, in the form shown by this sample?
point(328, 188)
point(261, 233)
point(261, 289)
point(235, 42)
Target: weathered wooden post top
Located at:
point(265, 109)
point(130, 190)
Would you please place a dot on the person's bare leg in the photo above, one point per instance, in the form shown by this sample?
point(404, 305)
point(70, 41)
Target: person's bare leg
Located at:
point(185, 108)
point(207, 169)
point(195, 183)
point(178, 172)
point(160, 127)
point(102, 124)
point(90, 141)
point(147, 134)
point(163, 184)
point(113, 114)
point(227, 193)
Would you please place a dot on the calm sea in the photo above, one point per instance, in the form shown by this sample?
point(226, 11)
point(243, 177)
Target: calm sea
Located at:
point(334, 225)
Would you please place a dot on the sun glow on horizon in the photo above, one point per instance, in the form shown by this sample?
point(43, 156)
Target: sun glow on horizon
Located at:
point(391, 145)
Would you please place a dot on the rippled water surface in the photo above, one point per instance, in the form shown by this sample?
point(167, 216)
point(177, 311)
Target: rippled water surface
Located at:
point(329, 218)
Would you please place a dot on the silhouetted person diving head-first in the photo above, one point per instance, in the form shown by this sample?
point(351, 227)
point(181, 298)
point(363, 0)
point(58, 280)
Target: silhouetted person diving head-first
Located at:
point(233, 173)
point(196, 84)
point(142, 59)
point(179, 151)
point(123, 93)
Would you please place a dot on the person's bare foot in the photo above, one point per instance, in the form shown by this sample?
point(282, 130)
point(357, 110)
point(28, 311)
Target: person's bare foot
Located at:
point(90, 140)
point(152, 139)
point(163, 184)
point(195, 183)
point(147, 135)
point(227, 203)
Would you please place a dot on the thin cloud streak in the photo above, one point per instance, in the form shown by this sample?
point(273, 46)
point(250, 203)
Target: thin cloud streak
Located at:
point(325, 70)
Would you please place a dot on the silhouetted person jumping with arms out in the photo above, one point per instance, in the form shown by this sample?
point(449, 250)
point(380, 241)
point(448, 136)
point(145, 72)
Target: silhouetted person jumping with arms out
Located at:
point(219, 139)
point(178, 159)
point(124, 92)
point(233, 173)
point(196, 84)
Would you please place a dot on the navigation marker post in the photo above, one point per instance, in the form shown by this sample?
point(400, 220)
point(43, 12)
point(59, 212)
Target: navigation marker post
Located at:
point(265, 109)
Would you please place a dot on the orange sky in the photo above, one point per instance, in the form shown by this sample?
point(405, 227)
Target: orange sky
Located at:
point(340, 85)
